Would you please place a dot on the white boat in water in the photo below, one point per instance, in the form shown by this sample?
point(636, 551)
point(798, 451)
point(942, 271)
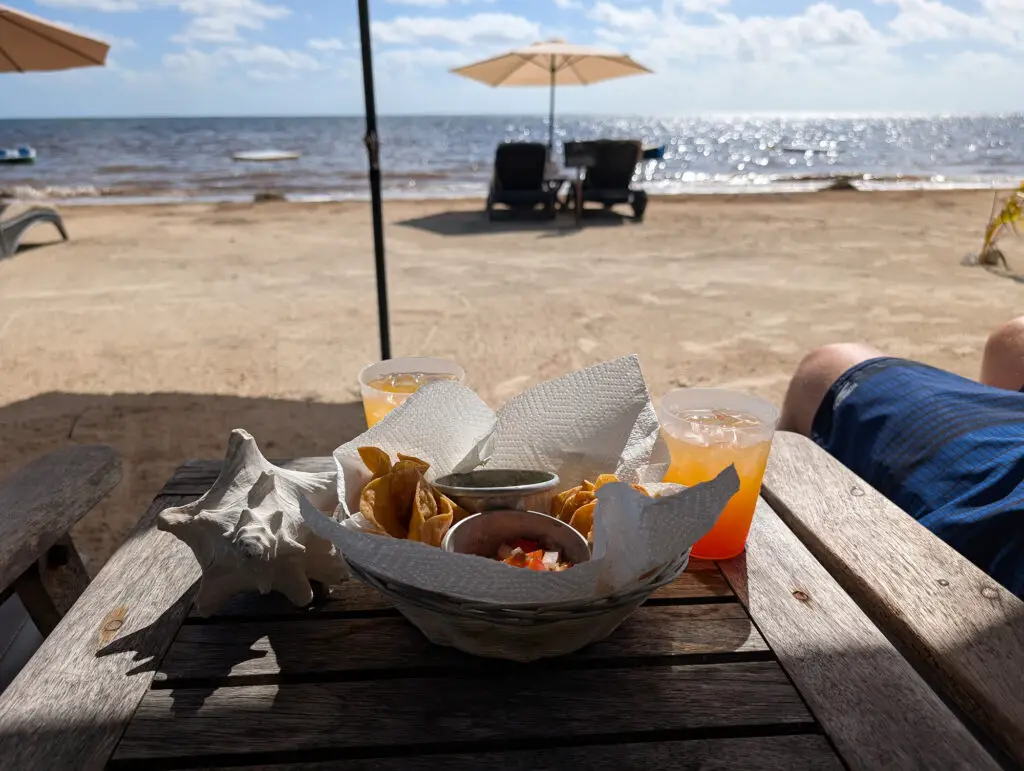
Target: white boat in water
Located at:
point(822, 148)
point(803, 150)
point(265, 156)
point(23, 154)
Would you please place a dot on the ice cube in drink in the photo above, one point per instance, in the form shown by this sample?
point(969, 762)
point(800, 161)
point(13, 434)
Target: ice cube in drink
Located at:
point(387, 384)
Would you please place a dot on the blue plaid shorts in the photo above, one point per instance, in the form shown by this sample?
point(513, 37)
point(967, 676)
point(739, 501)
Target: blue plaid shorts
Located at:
point(945, 449)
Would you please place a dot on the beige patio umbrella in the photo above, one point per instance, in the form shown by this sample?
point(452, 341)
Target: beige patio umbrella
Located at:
point(552, 63)
point(30, 44)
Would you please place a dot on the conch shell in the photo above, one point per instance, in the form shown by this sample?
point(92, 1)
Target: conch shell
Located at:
point(248, 534)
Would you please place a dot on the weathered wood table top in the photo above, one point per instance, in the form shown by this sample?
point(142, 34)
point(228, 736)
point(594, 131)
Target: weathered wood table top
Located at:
point(765, 661)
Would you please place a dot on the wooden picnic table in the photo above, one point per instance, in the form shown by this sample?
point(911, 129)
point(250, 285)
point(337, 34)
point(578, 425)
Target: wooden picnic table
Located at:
point(808, 651)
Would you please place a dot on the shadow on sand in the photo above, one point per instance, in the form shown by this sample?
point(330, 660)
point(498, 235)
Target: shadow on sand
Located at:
point(154, 433)
point(475, 223)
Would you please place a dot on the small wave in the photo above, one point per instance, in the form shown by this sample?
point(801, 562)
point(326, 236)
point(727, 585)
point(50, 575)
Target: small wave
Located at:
point(399, 176)
point(132, 168)
point(31, 193)
point(340, 188)
point(421, 175)
point(856, 176)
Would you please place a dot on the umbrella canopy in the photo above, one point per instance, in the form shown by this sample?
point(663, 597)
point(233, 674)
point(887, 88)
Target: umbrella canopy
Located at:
point(29, 44)
point(552, 63)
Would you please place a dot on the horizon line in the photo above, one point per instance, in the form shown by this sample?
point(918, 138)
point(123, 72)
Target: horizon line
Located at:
point(709, 114)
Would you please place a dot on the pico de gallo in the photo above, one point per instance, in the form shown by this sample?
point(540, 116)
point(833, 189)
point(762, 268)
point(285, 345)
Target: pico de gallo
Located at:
point(525, 553)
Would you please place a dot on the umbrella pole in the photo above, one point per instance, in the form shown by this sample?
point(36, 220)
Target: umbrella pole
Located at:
point(551, 116)
point(373, 151)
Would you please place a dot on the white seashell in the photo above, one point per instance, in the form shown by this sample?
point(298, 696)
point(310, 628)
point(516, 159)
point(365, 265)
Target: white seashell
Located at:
point(247, 532)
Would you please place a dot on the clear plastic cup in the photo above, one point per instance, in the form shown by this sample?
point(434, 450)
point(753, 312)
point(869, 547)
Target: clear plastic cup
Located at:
point(706, 430)
point(387, 384)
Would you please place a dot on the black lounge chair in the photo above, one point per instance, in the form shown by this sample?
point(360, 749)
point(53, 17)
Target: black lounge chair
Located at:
point(16, 218)
point(518, 181)
point(610, 169)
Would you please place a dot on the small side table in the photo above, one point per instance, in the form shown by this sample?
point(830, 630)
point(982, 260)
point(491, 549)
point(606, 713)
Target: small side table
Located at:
point(580, 156)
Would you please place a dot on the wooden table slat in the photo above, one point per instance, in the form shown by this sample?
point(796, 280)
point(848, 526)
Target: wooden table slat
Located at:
point(517, 707)
point(69, 705)
point(764, 753)
point(873, 705)
point(961, 626)
point(322, 647)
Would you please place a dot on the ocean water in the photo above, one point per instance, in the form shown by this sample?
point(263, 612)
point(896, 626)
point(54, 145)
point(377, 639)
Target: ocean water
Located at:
point(173, 159)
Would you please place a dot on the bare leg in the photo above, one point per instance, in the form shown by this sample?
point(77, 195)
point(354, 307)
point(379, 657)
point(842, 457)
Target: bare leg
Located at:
point(1003, 363)
point(814, 376)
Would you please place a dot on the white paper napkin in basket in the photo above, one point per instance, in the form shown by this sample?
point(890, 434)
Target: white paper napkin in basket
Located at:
point(593, 421)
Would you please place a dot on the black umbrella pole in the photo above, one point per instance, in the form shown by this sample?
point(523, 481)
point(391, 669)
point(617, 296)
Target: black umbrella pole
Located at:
point(373, 151)
point(551, 113)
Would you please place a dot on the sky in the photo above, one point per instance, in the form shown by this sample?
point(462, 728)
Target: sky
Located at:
point(301, 57)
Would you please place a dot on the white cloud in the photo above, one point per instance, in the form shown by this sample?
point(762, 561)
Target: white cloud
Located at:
point(492, 28)
point(703, 6)
point(94, 5)
point(218, 21)
point(327, 44)
point(273, 56)
point(921, 20)
point(418, 58)
point(213, 21)
point(267, 62)
point(623, 20)
point(568, 4)
point(673, 37)
point(443, 3)
point(266, 77)
point(191, 61)
point(115, 41)
point(421, 3)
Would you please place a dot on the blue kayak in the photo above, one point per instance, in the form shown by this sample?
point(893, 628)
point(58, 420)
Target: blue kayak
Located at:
point(18, 155)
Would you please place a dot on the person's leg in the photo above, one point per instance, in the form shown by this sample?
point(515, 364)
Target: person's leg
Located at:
point(1003, 363)
point(947, 450)
point(813, 378)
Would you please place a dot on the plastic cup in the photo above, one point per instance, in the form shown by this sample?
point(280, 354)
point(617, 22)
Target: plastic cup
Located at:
point(387, 384)
point(708, 429)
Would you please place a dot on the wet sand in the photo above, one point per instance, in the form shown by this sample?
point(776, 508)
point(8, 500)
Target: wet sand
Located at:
point(158, 329)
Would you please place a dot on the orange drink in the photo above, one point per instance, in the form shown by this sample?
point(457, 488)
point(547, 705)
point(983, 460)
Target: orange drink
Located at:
point(707, 430)
point(387, 384)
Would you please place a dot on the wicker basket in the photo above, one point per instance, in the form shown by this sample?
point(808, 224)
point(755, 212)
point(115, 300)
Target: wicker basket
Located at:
point(520, 632)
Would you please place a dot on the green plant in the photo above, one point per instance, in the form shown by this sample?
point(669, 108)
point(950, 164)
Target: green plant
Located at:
point(1007, 217)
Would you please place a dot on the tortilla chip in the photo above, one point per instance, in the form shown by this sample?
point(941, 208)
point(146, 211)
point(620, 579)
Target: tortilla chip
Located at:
point(435, 529)
point(581, 498)
point(404, 476)
point(414, 459)
point(376, 460)
point(446, 505)
point(559, 501)
point(424, 508)
point(587, 486)
point(641, 489)
point(376, 503)
point(583, 520)
point(605, 479)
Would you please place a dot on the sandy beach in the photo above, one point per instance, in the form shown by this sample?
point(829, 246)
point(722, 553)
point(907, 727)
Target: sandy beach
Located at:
point(158, 329)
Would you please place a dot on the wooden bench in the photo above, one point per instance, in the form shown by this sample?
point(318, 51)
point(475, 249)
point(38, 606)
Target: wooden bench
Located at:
point(38, 506)
point(961, 629)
